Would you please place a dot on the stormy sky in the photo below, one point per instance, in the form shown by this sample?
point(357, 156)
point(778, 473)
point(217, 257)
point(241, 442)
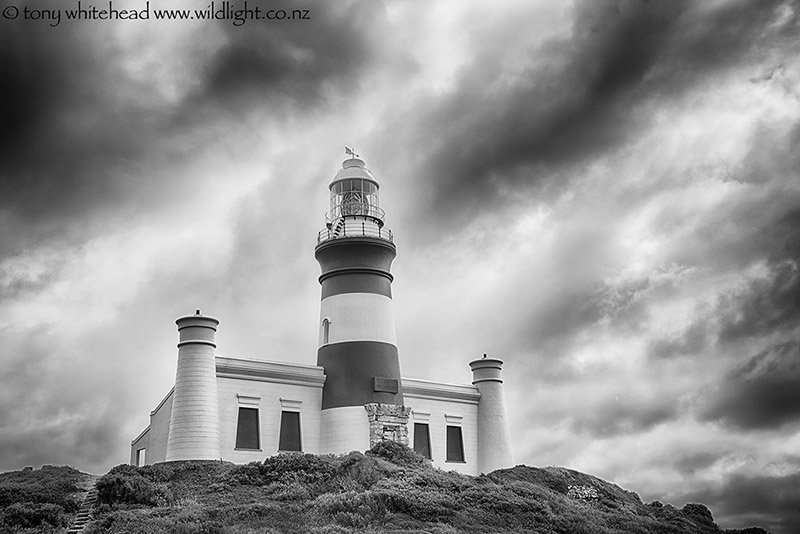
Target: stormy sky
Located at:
point(606, 195)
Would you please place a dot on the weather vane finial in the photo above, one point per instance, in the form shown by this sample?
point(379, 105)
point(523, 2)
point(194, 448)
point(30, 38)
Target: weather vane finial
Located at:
point(350, 151)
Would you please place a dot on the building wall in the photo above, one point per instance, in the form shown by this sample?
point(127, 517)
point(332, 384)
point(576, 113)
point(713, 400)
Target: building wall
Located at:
point(440, 405)
point(140, 443)
point(154, 438)
point(272, 387)
point(344, 429)
point(271, 399)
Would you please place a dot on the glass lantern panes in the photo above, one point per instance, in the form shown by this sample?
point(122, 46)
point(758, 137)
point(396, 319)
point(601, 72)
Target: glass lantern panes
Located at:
point(354, 197)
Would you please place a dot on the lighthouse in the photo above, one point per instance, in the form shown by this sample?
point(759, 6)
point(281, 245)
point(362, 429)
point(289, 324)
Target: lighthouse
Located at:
point(362, 400)
point(244, 409)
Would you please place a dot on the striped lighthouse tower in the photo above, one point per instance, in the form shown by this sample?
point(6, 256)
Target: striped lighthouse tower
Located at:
point(362, 399)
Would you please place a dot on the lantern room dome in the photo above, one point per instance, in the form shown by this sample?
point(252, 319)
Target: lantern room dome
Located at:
point(354, 168)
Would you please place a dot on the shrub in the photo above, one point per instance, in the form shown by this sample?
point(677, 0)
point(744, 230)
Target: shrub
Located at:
point(33, 515)
point(123, 486)
point(367, 504)
point(397, 453)
point(157, 472)
point(285, 468)
point(124, 470)
point(699, 512)
point(289, 491)
point(54, 485)
point(248, 474)
point(359, 472)
point(304, 468)
point(421, 503)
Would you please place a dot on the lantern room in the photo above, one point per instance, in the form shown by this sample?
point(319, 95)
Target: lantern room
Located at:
point(354, 193)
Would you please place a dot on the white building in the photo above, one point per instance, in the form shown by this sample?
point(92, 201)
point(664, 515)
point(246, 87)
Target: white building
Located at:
point(243, 410)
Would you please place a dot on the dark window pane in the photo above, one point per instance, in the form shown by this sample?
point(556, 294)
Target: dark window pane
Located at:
point(422, 440)
point(455, 444)
point(247, 429)
point(290, 432)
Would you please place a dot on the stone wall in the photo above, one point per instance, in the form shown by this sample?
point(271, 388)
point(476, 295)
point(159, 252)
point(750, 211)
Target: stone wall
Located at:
point(387, 422)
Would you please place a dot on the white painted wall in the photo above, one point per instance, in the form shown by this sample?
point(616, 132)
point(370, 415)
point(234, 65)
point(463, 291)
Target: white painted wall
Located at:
point(344, 429)
point(358, 317)
point(269, 407)
point(194, 423)
point(438, 410)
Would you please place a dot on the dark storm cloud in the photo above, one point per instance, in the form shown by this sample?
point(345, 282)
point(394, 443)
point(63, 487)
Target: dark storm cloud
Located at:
point(626, 414)
point(770, 502)
point(763, 393)
point(690, 462)
point(593, 92)
point(82, 144)
point(300, 61)
point(770, 231)
point(763, 306)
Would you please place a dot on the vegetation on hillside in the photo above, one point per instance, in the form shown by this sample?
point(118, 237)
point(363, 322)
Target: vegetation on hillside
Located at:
point(39, 501)
point(388, 489)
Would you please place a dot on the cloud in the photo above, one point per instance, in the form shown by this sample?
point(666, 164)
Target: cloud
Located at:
point(53, 412)
point(761, 500)
point(692, 342)
point(296, 65)
point(628, 413)
point(763, 393)
point(98, 132)
point(527, 122)
point(603, 194)
point(764, 305)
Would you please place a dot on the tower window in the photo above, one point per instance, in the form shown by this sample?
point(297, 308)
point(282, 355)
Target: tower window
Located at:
point(422, 439)
point(247, 434)
point(140, 457)
point(455, 444)
point(326, 331)
point(290, 432)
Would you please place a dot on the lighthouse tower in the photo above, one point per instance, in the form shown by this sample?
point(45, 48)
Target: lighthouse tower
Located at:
point(362, 399)
point(494, 443)
point(194, 423)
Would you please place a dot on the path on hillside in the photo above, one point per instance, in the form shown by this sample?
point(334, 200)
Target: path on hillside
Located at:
point(89, 500)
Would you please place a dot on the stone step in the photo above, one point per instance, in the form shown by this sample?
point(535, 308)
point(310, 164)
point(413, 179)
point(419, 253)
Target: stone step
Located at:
point(84, 515)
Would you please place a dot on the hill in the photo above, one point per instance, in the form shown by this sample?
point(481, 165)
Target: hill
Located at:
point(41, 501)
point(388, 489)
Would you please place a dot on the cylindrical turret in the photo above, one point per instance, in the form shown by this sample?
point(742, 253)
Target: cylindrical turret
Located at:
point(194, 424)
point(494, 444)
point(357, 341)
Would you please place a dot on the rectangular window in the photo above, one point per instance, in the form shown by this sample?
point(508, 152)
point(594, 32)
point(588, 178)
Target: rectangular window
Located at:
point(247, 429)
point(290, 432)
point(455, 444)
point(140, 459)
point(422, 439)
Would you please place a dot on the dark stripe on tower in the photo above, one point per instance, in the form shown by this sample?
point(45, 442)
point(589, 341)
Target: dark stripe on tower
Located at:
point(351, 369)
point(337, 283)
point(352, 254)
